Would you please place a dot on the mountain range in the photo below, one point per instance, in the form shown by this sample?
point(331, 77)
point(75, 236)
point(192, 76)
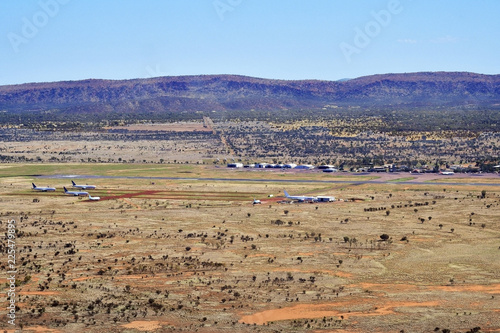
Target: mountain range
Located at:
point(234, 92)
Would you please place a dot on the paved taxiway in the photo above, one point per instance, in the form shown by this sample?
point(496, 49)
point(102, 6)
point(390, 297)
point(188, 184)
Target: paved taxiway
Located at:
point(271, 180)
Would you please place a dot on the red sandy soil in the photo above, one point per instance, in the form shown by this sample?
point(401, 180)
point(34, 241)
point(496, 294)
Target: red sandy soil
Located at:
point(386, 287)
point(145, 326)
point(490, 289)
point(40, 293)
point(39, 329)
point(310, 311)
point(158, 278)
point(380, 308)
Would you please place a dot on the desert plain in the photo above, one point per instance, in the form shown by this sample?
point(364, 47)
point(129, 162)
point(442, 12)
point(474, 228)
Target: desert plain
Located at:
point(181, 248)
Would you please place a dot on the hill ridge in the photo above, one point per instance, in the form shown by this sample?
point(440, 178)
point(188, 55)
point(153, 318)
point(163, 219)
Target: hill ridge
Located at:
point(239, 92)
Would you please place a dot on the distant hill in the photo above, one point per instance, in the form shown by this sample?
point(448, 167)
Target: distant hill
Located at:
point(232, 92)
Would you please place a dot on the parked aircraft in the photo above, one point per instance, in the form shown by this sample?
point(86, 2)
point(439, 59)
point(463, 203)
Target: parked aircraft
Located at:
point(84, 187)
point(256, 201)
point(300, 198)
point(43, 189)
point(76, 193)
point(94, 198)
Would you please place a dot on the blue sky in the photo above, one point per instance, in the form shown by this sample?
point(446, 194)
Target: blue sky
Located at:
point(54, 40)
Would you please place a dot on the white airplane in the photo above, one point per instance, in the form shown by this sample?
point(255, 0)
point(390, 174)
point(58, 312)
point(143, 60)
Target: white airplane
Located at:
point(256, 201)
point(84, 187)
point(300, 198)
point(43, 189)
point(75, 193)
point(94, 198)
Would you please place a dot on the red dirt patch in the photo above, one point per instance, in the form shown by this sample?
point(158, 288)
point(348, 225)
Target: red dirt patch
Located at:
point(491, 289)
point(311, 311)
point(144, 325)
point(40, 293)
point(387, 287)
point(40, 329)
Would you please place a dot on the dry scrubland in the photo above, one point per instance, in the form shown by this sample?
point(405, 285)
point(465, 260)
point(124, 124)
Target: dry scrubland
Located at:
point(196, 256)
point(354, 143)
point(348, 143)
point(93, 149)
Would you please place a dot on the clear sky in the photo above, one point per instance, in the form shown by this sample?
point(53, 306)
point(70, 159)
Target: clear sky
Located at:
point(54, 40)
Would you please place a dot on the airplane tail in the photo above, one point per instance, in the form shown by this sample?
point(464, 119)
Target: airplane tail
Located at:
point(94, 198)
point(65, 189)
point(34, 186)
point(286, 194)
point(73, 182)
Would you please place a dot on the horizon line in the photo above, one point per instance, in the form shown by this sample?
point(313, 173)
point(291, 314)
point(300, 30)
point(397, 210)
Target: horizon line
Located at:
point(242, 76)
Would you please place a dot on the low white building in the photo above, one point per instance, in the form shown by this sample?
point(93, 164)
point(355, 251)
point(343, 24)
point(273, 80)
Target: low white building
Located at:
point(325, 199)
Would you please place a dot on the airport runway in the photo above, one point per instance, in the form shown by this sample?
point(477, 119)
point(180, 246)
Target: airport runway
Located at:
point(353, 182)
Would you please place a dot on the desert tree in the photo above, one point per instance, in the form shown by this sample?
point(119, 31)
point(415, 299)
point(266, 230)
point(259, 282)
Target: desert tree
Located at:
point(384, 237)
